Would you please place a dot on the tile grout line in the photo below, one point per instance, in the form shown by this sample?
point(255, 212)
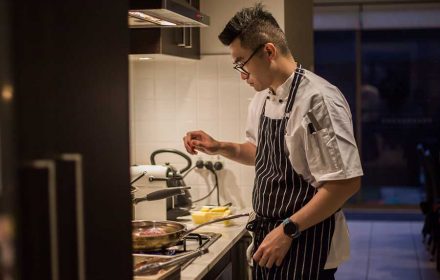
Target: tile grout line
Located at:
point(370, 237)
point(413, 237)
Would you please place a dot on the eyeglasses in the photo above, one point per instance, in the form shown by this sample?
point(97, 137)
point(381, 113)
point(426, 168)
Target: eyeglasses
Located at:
point(239, 65)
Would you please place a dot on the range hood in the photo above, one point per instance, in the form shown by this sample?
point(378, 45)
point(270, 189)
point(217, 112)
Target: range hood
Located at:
point(165, 13)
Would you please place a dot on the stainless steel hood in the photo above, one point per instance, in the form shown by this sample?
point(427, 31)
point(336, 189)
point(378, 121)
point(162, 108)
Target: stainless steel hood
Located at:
point(164, 13)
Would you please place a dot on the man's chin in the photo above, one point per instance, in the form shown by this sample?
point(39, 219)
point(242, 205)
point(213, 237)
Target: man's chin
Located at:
point(257, 87)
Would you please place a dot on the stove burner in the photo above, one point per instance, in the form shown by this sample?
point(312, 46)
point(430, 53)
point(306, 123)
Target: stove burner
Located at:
point(191, 242)
point(181, 247)
point(192, 236)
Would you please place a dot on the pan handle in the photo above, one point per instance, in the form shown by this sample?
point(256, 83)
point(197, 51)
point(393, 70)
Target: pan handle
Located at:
point(161, 194)
point(161, 265)
point(230, 217)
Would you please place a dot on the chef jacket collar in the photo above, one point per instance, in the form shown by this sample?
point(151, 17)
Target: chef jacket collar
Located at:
point(282, 92)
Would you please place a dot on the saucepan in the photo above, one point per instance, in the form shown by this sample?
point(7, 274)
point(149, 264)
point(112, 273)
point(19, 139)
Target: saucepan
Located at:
point(153, 235)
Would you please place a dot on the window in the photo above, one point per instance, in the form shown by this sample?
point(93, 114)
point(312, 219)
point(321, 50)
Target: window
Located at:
point(398, 99)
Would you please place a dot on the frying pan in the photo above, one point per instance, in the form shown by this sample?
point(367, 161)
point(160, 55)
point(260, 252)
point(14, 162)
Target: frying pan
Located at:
point(153, 236)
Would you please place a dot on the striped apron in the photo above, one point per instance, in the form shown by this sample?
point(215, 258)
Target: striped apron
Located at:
point(278, 193)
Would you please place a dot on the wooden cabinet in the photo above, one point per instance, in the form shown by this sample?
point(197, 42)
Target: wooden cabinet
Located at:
point(71, 132)
point(181, 42)
point(174, 41)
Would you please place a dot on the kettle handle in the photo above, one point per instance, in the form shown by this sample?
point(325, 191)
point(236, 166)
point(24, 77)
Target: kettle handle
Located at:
point(172, 151)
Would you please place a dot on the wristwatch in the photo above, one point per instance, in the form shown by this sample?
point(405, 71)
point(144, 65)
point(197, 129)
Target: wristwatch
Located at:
point(291, 228)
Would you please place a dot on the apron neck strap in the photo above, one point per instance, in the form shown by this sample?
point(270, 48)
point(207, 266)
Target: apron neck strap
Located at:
point(299, 73)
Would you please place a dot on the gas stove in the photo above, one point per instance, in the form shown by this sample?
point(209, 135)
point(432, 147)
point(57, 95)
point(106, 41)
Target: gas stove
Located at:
point(191, 243)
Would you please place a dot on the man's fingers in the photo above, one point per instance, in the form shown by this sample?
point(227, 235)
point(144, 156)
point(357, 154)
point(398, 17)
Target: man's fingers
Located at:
point(279, 261)
point(270, 262)
point(188, 146)
point(194, 135)
point(257, 255)
point(260, 257)
point(263, 260)
point(190, 150)
point(198, 144)
point(199, 141)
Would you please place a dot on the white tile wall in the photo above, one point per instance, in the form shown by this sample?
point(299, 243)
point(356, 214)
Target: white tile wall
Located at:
point(169, 98)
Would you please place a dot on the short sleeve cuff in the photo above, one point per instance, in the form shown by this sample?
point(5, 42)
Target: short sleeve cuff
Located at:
point(339, 175)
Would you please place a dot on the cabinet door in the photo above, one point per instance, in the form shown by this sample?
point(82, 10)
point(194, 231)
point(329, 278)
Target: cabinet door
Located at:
point(71, 93)
point(183, 42)
point(35, 229)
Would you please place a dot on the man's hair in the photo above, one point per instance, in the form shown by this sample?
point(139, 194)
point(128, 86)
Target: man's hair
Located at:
point(254, 26)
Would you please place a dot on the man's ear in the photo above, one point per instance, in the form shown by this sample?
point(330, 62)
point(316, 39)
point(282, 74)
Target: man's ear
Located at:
point(271, 50)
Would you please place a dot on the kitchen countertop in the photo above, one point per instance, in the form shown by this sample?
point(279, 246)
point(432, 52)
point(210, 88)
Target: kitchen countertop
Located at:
point(230, 235)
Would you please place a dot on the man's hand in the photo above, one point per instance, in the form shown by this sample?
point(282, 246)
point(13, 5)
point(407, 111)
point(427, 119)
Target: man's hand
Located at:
point(200, 141)
point(273, 248)
point(195, 141)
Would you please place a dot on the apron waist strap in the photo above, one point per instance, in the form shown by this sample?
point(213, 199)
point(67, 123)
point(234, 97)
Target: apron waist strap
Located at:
point(268, 219)
point(261, 221)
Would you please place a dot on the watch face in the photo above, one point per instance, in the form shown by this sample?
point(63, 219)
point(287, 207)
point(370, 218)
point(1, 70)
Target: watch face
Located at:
point(290, 228)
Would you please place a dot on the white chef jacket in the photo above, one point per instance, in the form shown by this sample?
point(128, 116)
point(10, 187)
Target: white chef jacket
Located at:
point(329, 152)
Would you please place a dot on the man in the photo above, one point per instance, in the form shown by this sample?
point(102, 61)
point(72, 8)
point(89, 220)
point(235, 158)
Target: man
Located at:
point(300, 139)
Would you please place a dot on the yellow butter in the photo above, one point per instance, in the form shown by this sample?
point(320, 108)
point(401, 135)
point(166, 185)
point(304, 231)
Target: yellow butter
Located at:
point(199, 217)
point(227, 222)
point(219, 209)
point(206, 208)
point(209, 213)
point(214, 215)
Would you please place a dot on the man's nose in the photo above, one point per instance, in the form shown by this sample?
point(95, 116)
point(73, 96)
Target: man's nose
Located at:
point(244, 76)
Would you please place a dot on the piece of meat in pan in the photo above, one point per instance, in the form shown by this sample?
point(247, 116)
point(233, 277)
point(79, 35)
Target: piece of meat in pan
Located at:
point(153, 231)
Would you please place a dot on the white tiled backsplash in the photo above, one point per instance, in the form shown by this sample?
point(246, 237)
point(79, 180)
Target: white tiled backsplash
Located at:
point(169, 98)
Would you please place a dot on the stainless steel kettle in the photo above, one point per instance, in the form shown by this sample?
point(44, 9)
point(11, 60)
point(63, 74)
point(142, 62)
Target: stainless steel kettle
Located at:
point(181, 204)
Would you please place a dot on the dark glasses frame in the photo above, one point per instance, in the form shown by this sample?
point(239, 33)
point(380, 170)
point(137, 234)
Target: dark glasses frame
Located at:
point(239, 66)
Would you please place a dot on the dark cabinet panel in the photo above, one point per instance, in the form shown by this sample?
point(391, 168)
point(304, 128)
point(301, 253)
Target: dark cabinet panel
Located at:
point(181, 42)
point(70, 74)
point(184, 42)
point(34, 228)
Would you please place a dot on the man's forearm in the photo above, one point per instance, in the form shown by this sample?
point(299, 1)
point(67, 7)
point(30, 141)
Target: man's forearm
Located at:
point(242, 153)
point(330, 197)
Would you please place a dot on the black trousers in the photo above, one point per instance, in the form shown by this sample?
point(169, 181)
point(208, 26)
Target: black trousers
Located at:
point(327, 274)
